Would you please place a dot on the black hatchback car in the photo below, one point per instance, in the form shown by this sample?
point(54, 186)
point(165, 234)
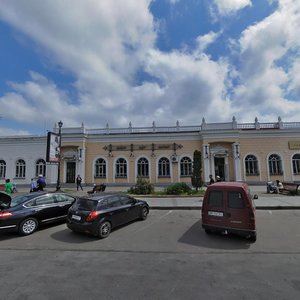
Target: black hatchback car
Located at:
point(100, 214)
point(25, 213)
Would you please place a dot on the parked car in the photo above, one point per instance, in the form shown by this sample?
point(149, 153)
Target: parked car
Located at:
point(228, 207)
point(25, 213)
point(98, 215)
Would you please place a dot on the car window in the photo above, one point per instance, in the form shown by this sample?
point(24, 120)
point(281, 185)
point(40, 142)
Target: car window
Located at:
point(126, 200)
point(114, 202)
point(63, 198)
point(215, 199)
point(235, 200)
point(102, 204)
point(85, 204)
point(43, 200)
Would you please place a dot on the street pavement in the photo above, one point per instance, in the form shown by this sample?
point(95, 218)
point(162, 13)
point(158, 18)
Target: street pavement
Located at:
point(264, 201)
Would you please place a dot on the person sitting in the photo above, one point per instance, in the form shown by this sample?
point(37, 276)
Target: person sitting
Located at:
point(279, 186)
point(33, 185)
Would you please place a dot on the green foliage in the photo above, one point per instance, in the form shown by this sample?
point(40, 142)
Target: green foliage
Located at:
point(142, 187)
point(197, 170)
point(178, 189)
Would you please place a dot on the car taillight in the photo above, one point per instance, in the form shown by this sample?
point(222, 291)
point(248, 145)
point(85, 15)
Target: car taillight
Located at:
point(92, 216)
point(5, 214)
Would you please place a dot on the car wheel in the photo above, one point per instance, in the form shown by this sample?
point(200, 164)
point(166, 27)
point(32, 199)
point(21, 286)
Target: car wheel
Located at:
point(144, 213)
point(252, 237)
point(28, 226)
point(104, 229)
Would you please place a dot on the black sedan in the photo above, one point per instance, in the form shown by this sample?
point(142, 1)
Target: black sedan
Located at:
point(100, 214)
point(25, 213)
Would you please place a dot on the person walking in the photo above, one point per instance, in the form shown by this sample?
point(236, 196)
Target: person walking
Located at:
point(78, 182)
point(211, 180)
point(8, 187)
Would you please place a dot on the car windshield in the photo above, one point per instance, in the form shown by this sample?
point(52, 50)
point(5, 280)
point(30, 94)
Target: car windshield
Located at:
point(85, 204)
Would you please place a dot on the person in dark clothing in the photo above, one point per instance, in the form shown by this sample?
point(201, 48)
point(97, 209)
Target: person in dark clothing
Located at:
point(211, 180)
point(78, 182)
point(41, 183)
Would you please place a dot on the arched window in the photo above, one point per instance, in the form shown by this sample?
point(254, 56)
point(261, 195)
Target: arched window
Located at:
point(2, 168)
point(186, 166)
point(100, 168)
point(164, 167)
point(121, 168)
point(296, 164)
point(143, 167)
point(275, 165)
point(251, 165)
point(40, 168)
point(20, 169)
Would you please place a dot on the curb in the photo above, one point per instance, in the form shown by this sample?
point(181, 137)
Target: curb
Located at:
point(199, 207)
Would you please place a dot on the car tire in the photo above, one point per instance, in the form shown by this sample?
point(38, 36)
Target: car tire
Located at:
point(252, 238)
point(104, 229)
point(144, 213)
point(28, 226)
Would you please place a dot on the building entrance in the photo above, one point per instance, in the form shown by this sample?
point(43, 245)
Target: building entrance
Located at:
point(71, 172)
point(220, 167)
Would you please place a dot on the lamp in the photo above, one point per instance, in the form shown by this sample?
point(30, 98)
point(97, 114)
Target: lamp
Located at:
point(60, 124)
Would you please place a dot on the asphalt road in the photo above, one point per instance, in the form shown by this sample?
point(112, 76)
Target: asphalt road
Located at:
point(168, 256)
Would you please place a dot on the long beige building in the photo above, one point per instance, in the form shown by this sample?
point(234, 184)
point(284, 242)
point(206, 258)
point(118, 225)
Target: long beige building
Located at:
point(251, 152)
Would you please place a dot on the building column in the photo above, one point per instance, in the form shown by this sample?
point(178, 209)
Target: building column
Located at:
point(81, 164)
point(237, 161)
point(206, 162)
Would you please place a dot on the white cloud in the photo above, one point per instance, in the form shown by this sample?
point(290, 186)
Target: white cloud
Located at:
point(227, 7)
point(205, 40)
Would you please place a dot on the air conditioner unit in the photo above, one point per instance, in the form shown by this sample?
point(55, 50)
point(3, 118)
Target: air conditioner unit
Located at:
point(174, 158)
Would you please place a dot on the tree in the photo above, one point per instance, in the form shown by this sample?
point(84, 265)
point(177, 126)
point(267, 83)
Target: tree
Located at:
point(197, 170)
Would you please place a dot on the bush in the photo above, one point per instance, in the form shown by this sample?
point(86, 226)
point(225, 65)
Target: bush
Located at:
point(178, 189)
point(142, 187)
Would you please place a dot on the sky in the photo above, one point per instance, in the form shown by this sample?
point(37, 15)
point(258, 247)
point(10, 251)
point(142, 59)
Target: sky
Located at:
point(112, 62)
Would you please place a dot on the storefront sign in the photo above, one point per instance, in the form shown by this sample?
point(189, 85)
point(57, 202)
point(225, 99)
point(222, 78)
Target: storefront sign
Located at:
point(294, 145)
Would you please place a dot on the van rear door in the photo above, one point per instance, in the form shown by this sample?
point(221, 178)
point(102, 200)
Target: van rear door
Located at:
point(237, 210)
point(214, 209)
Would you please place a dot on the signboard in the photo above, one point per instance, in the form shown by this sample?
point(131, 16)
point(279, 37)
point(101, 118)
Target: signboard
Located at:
point(53, 149)
point(294, 145)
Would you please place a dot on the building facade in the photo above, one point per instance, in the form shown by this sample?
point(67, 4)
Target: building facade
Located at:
point(250, 152)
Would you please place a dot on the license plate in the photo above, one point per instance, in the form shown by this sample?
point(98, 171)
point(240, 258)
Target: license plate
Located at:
point(216, 213)
point(78, 218)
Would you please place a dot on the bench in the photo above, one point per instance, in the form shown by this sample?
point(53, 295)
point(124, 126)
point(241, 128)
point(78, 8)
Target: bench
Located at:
point(97, 188)
point(289, 188)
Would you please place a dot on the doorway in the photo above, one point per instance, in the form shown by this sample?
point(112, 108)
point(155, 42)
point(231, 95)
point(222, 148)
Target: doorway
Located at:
point(71, 172)
point(220, 167)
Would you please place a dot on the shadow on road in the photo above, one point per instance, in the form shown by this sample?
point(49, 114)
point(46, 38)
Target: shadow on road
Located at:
point(196, 236)
point(68, 236)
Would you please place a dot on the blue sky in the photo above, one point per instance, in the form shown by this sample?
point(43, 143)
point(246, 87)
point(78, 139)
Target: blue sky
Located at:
point(114, 62)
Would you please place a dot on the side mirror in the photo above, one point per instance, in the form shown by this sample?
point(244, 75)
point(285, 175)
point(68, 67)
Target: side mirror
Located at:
point(255, 196)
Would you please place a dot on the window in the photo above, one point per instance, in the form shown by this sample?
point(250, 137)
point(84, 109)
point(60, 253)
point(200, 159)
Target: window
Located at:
point(143, 167)
point(60, 198)
point(296, 164)
point(44, 200)
point(121, 168)
point(20, 169)
point(275, 165)
point(235, 200)
point(251, 165)
point(100, 168)
point(185, 166)
point(164, 167)
point(114, 202)
point(40, 168)
point(215, 199)
point(2, 168)
point(127, 200)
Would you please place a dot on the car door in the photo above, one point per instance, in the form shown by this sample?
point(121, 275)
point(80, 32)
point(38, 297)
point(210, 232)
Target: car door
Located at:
point(64, 202)
point(237, 211)
point(116, 210)
point(44, 208)
point(215, 209)
point(131, 210)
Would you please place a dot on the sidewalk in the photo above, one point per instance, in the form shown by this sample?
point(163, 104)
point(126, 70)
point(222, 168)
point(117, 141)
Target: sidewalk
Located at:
point(264, 201)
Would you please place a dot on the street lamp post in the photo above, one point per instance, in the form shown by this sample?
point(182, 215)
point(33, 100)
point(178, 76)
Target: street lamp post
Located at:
point(60, 124)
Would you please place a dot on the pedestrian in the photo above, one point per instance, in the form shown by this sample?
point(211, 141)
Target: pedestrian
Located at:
point(211, 180)
point(78, 182)
point(33, 185)
point(8, 187)
point(279, 186)
point(41, 183)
